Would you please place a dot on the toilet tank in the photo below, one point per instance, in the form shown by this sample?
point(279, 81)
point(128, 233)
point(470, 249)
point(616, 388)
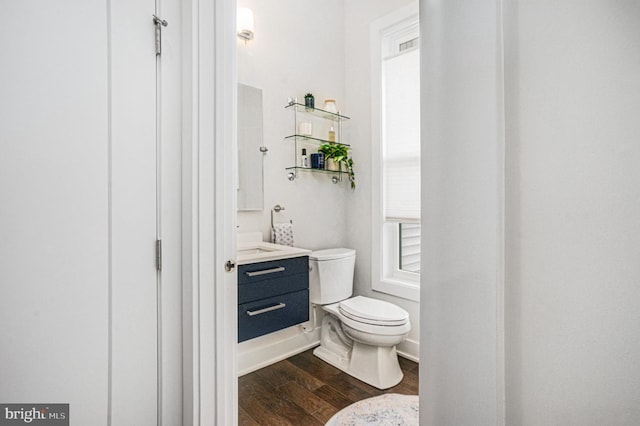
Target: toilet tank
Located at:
point(331, 275)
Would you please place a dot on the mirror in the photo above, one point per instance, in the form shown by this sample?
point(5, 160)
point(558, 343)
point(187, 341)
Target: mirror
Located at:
point(250, 149)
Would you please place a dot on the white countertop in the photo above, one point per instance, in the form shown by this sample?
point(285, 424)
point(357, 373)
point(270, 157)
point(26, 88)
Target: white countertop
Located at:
point(261, 251)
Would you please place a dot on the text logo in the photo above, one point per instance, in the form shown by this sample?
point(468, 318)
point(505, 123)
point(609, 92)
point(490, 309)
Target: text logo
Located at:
point(34, 414)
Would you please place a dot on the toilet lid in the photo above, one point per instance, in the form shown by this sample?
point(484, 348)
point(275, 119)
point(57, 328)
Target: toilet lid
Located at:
point(373, 311)
point(332, 254)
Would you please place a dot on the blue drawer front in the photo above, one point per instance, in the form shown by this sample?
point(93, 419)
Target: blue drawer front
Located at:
point(256, 272)
point(268, 315)
point(250, 292)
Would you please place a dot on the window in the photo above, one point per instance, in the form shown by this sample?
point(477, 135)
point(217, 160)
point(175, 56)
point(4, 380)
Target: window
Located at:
point(409, 256)
point(396, 153)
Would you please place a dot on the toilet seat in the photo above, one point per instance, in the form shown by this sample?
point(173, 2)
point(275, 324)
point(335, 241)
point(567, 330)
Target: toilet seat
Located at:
point(376, 330)
point(372, 316)
point(373, 311)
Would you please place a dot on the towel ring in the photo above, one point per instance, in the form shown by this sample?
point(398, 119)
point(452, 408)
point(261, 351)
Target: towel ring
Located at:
point(277, 208)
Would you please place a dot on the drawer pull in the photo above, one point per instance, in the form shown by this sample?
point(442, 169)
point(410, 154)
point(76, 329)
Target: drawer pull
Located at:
point(264, 310)
point(265, 271)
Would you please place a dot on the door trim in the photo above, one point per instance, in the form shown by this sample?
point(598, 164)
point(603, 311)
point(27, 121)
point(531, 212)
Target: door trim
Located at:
point(209, 206)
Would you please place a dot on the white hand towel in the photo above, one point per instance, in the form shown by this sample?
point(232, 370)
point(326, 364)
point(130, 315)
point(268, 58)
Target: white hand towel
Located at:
point(282, 233)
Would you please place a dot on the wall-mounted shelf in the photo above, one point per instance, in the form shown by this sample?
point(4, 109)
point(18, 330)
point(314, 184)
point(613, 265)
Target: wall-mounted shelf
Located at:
point(308, 169)
point(317, 112)
point(336, 175)
point(335, 119)
point(311, 139)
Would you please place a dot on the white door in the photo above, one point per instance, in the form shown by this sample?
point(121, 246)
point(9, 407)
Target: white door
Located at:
point(134, 278)
point(78, 223)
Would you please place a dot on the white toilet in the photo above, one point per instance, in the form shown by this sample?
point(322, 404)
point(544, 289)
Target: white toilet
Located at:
point(359, 334)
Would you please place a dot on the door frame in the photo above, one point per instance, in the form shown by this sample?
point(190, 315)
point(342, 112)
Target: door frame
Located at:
point(209, 218)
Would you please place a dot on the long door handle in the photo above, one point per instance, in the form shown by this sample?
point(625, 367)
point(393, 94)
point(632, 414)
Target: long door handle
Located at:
point(265, 310)
point(265, 271)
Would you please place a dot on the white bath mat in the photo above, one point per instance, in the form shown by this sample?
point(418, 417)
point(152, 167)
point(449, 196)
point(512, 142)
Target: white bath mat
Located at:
point(385, 410)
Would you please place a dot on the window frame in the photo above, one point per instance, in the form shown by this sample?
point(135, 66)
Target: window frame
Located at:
point(386, 34)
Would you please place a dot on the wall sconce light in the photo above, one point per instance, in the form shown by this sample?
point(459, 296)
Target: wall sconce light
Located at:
point(245, 24)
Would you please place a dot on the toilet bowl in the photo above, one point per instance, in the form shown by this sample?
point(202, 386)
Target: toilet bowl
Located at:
point(359, 334)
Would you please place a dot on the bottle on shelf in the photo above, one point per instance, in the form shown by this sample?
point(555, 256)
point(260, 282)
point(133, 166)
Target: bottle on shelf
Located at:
point(332, 135)
point(304, 159)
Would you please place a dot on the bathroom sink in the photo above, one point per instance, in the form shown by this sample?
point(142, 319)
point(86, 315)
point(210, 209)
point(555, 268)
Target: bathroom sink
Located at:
point(254, 250)
point(261, 251)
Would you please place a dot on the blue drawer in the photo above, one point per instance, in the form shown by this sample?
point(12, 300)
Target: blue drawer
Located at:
point(256, 272)
point(273, 287)
point(259, 281)
point(275, 313)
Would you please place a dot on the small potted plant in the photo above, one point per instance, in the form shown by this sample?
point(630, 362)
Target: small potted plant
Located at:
point(337, 158)
point(309, 100)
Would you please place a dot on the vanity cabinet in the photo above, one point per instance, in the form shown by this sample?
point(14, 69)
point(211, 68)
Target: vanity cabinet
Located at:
point(320, 121)
point(272, 295)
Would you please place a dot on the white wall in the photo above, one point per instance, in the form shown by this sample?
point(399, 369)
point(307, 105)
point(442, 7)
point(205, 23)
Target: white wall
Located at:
point(572, 202)
point(573, 99)
point(461, 183)
point(298, 48)
point(359, 14)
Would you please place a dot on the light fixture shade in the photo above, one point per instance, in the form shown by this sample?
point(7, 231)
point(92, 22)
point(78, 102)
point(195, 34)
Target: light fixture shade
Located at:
point(245, 23)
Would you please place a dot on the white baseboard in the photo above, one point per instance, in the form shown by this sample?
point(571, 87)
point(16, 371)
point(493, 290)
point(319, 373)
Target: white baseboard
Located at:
point(262, 351)
point(409, 349)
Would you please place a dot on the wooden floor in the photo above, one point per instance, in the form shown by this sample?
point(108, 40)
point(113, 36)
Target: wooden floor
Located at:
point(304, 390)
